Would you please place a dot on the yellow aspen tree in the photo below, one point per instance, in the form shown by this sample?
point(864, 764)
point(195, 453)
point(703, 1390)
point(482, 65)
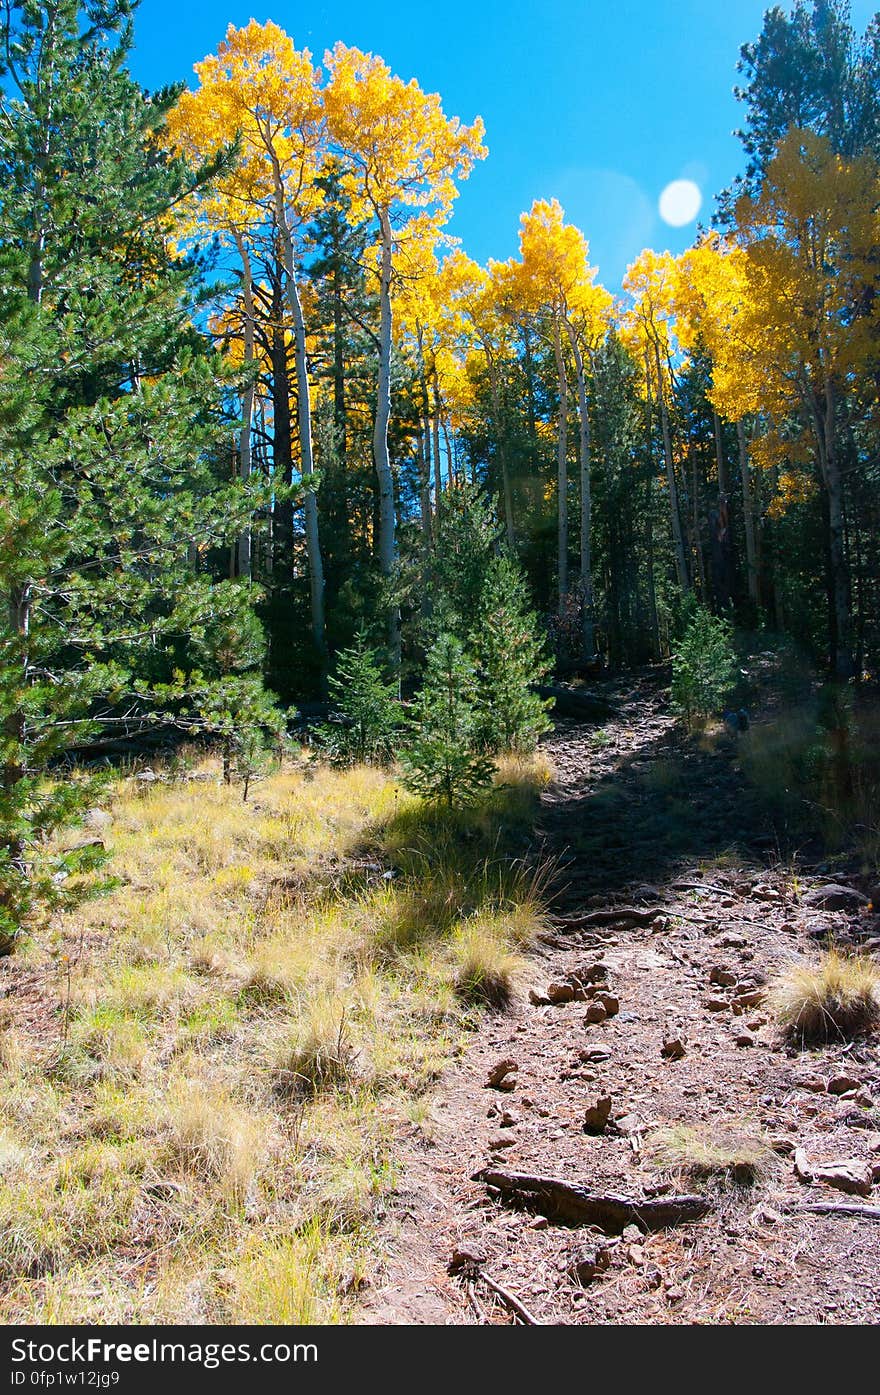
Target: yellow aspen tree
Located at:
point(402, 157)
point(418, 325)
point(474, 303)
point(794, 326)
point(259, 88)
point(647, 330)
point(557, 281)
point(710, 294)
point(811, 237)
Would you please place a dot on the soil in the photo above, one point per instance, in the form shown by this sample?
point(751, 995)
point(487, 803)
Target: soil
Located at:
point(643, 816)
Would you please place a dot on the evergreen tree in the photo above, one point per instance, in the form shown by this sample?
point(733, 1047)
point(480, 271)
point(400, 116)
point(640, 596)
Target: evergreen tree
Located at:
point(443, 762)
point(510, 661)
point(111, 414)
point(468, 536)
point(808, 68)
point(703, 664)
point(367, 704)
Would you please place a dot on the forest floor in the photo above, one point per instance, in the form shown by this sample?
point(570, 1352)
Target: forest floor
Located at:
point(642, 817)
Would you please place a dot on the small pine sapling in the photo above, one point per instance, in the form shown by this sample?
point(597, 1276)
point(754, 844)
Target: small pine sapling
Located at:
point(443, 762)
point(370, 715)
point(510, 661)
point(703, 665)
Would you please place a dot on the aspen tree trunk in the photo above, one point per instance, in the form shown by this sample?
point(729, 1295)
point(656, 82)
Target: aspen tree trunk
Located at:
point(745, 471)
point(681, 563)
point(495, 392)
point(451, 473)
point(649, 521)
point(438, 473)
point(586, 580)
point(304, 421)
point(562, 467)
point(841, 659)
point(387, 539)
point(245, 560)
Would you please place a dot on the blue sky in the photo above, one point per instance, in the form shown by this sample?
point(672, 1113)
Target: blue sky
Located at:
point(600, 103)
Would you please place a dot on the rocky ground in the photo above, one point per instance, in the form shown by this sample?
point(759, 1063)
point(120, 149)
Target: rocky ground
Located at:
point(643, 1012)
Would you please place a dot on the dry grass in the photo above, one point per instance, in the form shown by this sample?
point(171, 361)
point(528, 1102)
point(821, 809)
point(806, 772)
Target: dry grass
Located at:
point(253, 1015)
point(486, 967)
point(316, 1052)
point(723, 1157)
point(836, 999)
point(213, 1139)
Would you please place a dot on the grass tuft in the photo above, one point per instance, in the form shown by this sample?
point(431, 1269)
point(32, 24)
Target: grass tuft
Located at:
point(316, 1053)
point(836, 999)
point(486, 967)
point(725, 1157)
point(213, 1139)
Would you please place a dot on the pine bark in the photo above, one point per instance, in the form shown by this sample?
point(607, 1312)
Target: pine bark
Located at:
point(745, 470)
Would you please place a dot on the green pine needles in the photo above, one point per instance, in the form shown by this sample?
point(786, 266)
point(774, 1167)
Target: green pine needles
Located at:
point(368, 711)
point(703, 665)
point(443, 761)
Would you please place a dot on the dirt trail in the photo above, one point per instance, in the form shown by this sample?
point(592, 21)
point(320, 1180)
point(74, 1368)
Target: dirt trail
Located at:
point(641, 817)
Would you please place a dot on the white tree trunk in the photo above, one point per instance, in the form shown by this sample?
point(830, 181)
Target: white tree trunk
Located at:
point(304, 419)
point(681, 564)
point(586, 579)
point(387, 540)
point(561, 467)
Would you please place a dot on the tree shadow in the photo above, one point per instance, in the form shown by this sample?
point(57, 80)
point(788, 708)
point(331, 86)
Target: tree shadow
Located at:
point(671, 802)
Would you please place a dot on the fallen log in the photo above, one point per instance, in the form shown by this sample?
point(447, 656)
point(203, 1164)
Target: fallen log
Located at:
point(573, 1205)
point(577, 706)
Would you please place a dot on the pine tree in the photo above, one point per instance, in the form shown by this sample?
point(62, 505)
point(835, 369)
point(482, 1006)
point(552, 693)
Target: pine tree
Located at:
point(468, 536)
point(443, 762)
point(703, 664)
point(111, 414)
point(510, 661)
point(367, 704)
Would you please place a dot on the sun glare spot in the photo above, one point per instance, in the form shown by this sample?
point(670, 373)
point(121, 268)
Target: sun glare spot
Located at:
point(680, 202)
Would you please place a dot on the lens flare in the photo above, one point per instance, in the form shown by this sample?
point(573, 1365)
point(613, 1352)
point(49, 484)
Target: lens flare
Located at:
point(680, 202)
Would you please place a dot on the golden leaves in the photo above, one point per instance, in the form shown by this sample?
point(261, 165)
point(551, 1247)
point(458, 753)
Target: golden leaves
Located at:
point(399, 149)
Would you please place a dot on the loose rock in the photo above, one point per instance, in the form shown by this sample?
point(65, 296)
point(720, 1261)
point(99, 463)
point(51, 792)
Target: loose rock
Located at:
point(502, 1075)
point(597, 1115)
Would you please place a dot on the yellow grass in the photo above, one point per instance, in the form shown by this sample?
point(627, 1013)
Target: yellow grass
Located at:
point(836, 999)
point(201, 1124)
point(721, 1155)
